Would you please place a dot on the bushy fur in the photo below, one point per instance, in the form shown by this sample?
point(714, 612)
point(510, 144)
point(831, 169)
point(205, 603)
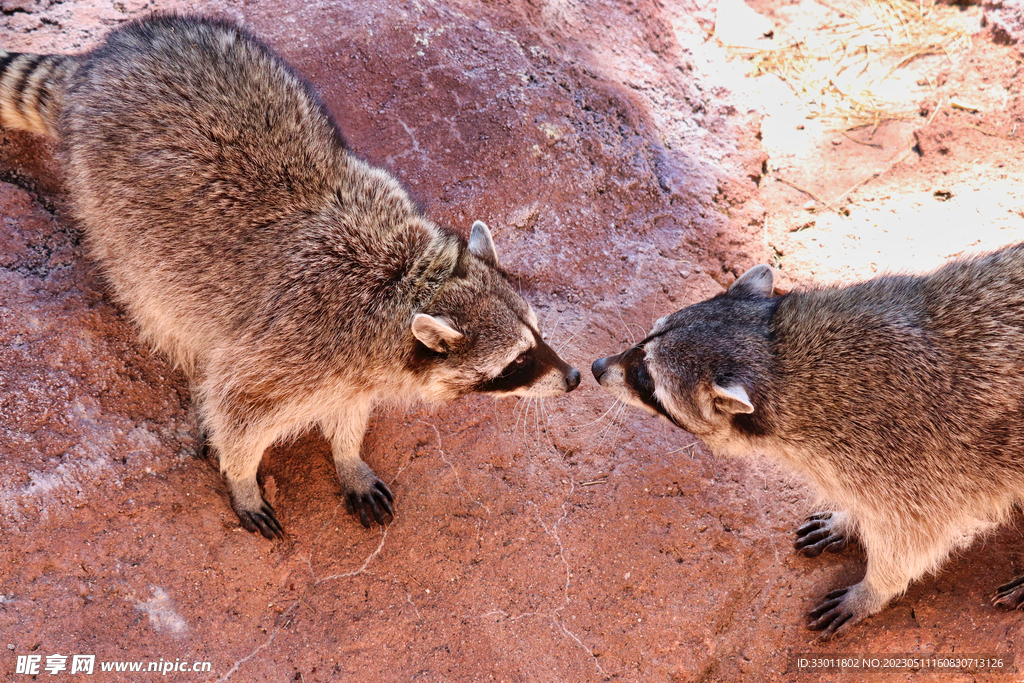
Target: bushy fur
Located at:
point(900, 399)
point(294, 283)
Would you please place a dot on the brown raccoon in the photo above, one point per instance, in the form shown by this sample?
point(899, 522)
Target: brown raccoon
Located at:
point(296, 285)
point(900, 399)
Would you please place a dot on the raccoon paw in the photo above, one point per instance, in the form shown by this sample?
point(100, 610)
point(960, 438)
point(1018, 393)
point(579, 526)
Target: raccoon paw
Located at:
point(820, 533)
point(836, 614)
point(366, 496)
point(263, 520)
point(1010, 595)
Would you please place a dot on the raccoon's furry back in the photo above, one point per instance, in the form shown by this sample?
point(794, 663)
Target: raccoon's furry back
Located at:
point(940, 355)
point(32, 90)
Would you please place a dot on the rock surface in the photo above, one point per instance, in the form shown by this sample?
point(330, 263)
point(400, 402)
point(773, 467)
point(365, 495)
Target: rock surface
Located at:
point(616, 153)
point(1006, 20)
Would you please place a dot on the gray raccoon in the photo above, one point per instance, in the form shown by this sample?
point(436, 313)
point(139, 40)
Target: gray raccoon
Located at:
point(900, 399)
point(295, 284)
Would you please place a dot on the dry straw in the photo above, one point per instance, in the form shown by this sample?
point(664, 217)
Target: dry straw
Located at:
point(837, 68)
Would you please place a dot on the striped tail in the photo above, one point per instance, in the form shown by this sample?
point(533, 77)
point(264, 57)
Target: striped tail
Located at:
point(32, 90)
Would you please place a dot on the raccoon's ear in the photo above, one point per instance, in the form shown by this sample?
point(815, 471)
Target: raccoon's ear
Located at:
point(435, 333)
point(732, 399)
point(759, 280)
point(481, 244)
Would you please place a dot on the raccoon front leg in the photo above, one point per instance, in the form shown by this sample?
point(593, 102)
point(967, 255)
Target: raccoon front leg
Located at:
point(365, 494)
point(829, 531)
point(844, 607)
point(240, 454)
point(897, 554)
point(239, 433)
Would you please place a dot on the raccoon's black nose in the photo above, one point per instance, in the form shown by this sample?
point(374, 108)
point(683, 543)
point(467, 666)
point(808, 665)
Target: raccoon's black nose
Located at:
point(572, 380)
point(599, 366)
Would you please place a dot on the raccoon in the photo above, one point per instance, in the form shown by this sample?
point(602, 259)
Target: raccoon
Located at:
point(900, 399)
point(296, 285)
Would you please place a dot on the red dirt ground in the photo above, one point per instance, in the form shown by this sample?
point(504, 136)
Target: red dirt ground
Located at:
point(619, 154)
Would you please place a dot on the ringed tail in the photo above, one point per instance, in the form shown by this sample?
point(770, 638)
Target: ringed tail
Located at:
point(32, 90)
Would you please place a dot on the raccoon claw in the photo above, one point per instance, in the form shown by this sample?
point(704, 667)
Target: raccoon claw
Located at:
point(204, 449)
point(377, 501)
point(263, 520)
point(1010, 595)
point(832, 614)
point(817, 535)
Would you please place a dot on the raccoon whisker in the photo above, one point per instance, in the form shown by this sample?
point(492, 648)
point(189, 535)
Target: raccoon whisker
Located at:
point(530, 403)
point(653, 307)
point(540, 420)
point(614, 404)
point(518, 410)
point(615, 411)
point(579, 328)
point(613, 424)
point(547, 420)
point(554, 328)
point(632, 340)
point(537, 425)
point(522, 403)
point(687, 447)
point(643, 330)
point(515, 411)
point(629, 329)
point(518, 404)
point(541, 417)
point(618, 421)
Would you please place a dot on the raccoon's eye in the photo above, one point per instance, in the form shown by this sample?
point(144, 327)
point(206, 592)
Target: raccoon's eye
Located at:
point(518, 363)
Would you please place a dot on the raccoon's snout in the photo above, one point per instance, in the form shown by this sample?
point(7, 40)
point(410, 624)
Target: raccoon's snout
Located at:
point(572, 380)
point(599, 366)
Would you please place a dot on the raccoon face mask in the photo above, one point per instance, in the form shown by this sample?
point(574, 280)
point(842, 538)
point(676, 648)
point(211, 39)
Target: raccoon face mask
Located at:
point(479, 335)
point(701, 368)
